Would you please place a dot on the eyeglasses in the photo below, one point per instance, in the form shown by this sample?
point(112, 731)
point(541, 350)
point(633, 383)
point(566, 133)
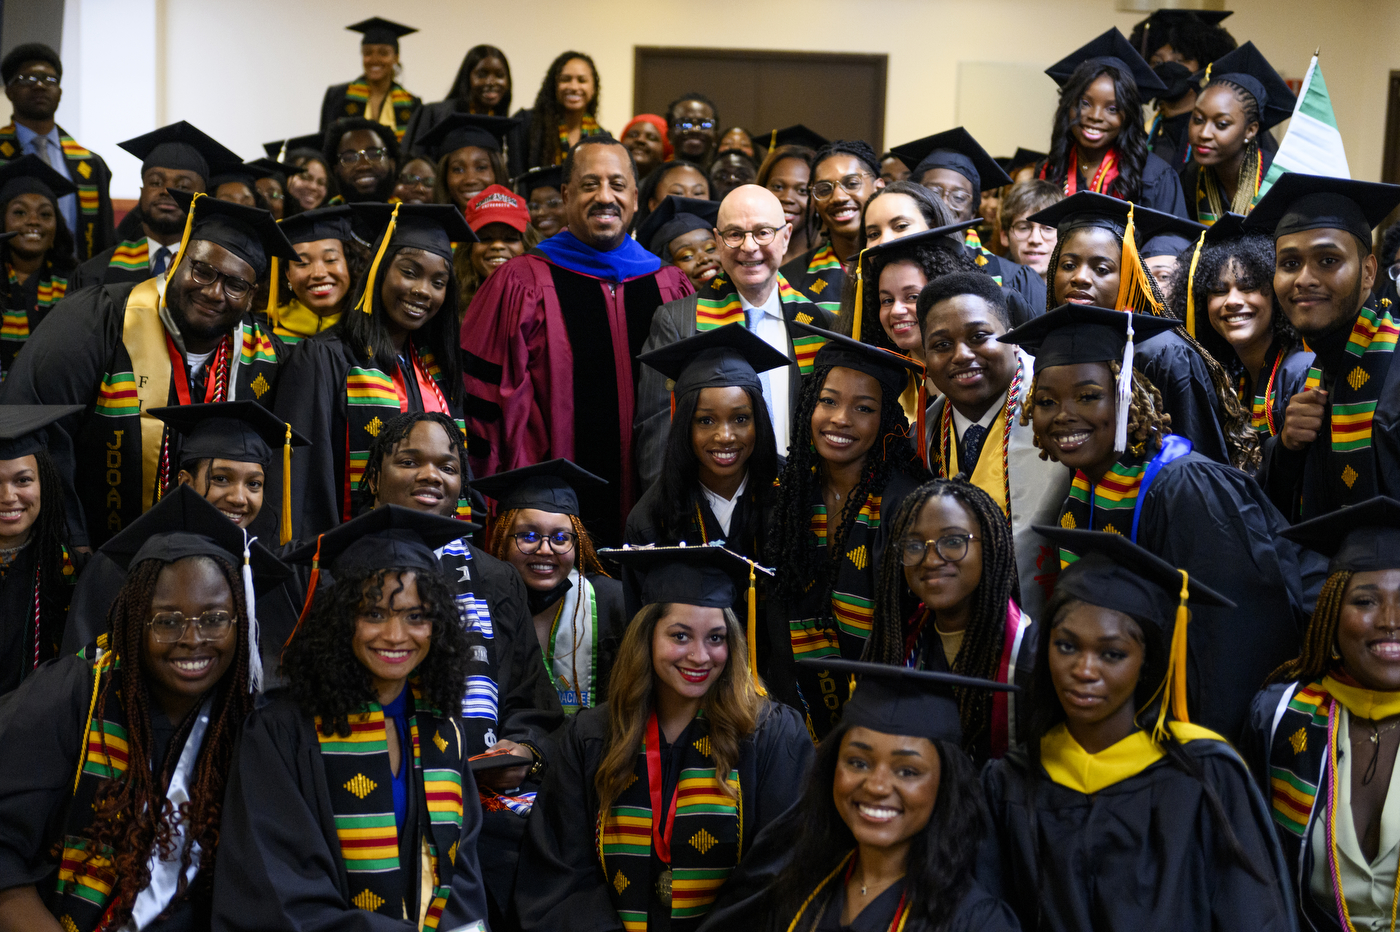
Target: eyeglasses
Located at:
point(761, 236)
point(272, 194)
point(852, 183)
point(169, 627)
point(351, 156)
point(1394, 272)
point(686, 126)
point(951, 197)
point(35, 80)
point(416, 181)
point(180, 183)
point(205, 274)
point(951, 548)
point(554, 203)
point(528, 542)
point(1022, 229)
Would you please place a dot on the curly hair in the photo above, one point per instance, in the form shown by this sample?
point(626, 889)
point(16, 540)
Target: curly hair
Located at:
point(395, 431)
point(985, 635)
point(542, 145)
point(586, 562)
point(1131, 141)
point(732, 705)
point(934, 261)
point(132, 814)
point(941, 855)
point(357, 263)
point(791, 546)
point(461, 90)
point(1241, 439)
point(299, 159)
point(854, 147)
point(325, 677)
point(1148, 423)
point(1316, 657)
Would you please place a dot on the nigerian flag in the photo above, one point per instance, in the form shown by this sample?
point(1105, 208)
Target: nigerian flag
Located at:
point(1312, 144)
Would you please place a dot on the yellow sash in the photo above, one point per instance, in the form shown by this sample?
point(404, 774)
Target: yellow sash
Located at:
point(295, 319)
point(143, 335)
point(989, 475)
point(1074, 768)
point(1363, 703)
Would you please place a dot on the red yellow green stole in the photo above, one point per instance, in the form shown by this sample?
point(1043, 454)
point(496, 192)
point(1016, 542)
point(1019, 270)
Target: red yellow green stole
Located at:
point(824, 261)
point(707, 840)
point(1261, 411)
point(132, 256)
point(589, 127)
point(398, 99)
point(1107, 506)
point(718, 305)
point(360, 784)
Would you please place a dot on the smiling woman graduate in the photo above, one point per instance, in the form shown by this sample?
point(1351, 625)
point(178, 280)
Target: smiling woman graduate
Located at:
point(374, 95)
point(35, 247)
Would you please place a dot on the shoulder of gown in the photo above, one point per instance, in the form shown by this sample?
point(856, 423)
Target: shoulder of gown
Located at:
point(1161, 187)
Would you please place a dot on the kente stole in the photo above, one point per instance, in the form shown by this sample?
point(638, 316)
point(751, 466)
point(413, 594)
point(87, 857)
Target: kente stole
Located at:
point(718, 305)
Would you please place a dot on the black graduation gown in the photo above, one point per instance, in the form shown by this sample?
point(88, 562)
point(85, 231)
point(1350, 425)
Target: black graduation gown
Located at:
point(1144, 854)
point(17, 635)
point(1013, 276)
point(351, 100)
point(281, 866)
point(612, 625)
point(562, 887)
point(1168, 140)
point(45, 717)
point(1188, 395)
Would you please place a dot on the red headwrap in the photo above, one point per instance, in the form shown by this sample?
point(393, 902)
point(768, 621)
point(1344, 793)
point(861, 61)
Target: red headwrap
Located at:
point(660, 125)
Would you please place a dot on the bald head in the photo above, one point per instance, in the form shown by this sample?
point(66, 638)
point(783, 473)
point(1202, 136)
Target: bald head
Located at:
point(753, 265)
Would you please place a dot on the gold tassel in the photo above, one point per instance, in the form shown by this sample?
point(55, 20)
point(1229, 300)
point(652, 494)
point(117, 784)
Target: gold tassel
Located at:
point(752, 632)
point(1191, 285)
point(367, 299)
point(1134, 289)
point(773, 141)
point(184, 242)
point(102, 663)
point(920, 440)
point(860, 295)
point(287, 488)
point(1174, 684)
point(272, 296)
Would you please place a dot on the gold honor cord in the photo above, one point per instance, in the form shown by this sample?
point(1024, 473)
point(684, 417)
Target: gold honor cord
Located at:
point(286, 529)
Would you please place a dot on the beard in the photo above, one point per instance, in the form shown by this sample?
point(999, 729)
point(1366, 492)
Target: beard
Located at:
point(380, 193)
point(163, 227)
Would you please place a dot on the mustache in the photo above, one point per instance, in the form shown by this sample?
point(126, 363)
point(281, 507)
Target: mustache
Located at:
point(604, 209)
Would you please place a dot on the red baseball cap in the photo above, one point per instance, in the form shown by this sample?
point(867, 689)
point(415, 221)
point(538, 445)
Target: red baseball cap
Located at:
point(497, 205)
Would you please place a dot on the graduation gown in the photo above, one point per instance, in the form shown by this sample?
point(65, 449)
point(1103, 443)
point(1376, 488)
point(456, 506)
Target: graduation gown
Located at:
point(1188, 394)
point(83, 354)
point(90, 174)
point(562, 885)
point(1356, 455)
point(1013, 276)
point(126, 262)
point(26, 304)
point(1281, 378)
point(1216, 523)
point(606, 624)
point(1140, 855)
point(22, 647)
point(283, 865)
point(352, 100)
point(1168, 141)
point(1161, 186)
point(818, 276)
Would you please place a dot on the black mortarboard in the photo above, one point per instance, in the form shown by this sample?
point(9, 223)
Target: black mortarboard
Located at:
point(1087, 209)
point(676, 216)
point(899, 700)
point(430, 227)
point(248, 173)
point(796, 135)
point(948, 237)
point(1360, 538)
point(244, 431)
point(728, 356)
point(1077, 333)
point(181, 147)
point(708, 576)
point(1298, 202)
point(551, 486)
point(1229, 226)
point(27, 429)
point(389, 537)
point(274, 168)
point(1176, 79)
point(494, 760)
point(890, 369)
point(30, 174)
point(378, 31)
point(280, 148)
point(1176, 17)
point(1023, 157)
point(1109, 49)
point(250, 233)
point(182, 524)
point(1165, 234)
point(1246, 67)
point(551, 176)
point(460, 130)
point(954, 149)
point(321, 223)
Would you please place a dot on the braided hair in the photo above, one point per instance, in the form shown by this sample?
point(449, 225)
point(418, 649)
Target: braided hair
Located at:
point(132, 814)
point(791, 546)
point(1241, 439)
point(1148, 423)
point(1317, 658)
point(1249, 164)
point(586, 562)
point(985, 637)
point(542, 146)
point(1131, 141)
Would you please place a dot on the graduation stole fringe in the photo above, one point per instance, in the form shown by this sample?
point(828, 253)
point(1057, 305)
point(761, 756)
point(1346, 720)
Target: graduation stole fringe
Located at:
point(1353, 403)
point(1297, 756)
point(706, 841)
point(991, 473)
point(361, 787)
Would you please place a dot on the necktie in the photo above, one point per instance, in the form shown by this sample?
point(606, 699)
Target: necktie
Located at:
point(970, 450)
point(754, 315)
point(41, 149)
point(162, 260)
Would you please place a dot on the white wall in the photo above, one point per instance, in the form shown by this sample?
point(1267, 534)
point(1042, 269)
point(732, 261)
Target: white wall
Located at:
point(247, 71)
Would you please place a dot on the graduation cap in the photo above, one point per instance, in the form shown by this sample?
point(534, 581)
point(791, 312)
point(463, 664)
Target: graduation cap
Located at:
point(1298, 202)
point(728, 356)
point(709, 576)
point(182, 147)
point(27, 429)
point(250, 233)
point(551, 486)
point(430, 227)
point(956, 150)
point(1109, 49)
point(890, 369)
point(274, 168)
point(1360, 538)
point(1229, 226)
point(278, 149)
point(897, 700)
point(1079, 333)
point(30, 174)
point(1177, 17)
point(247, 173)
point(460, 130)
point(1246, 67)
point(320, 223)
point(1115, 573)
point(1023, 157)
point(795, 135)
point(1176, 79)
point(676, 216)
point(948, 237)
point(1166, 234)
point(551, 176)
point(182, 524)
point(379, 31)
point(494, 760)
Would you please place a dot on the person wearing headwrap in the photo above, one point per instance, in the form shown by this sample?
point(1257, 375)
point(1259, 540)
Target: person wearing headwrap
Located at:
point(374, 95)
point(33, 74)
point(1341, 436)
point(36, 250)
point(178, 157)
point(645, 137)
point(120, 350)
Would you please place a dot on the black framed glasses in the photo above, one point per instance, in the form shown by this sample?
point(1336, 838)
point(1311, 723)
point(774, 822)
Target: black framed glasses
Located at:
point(205, 274)
point(761, 236)
point(169, 627)
point(950, 547)
point(851, 183)
point(417, 181)
point(951, 196)
point(528, 542)
point(351, 156)
point(35, 80)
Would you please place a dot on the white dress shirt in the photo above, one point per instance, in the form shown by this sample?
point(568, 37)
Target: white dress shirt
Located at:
point(773, 331)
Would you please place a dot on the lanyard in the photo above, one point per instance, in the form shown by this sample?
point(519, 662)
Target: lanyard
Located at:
point(179, 370)
point(660, 834)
